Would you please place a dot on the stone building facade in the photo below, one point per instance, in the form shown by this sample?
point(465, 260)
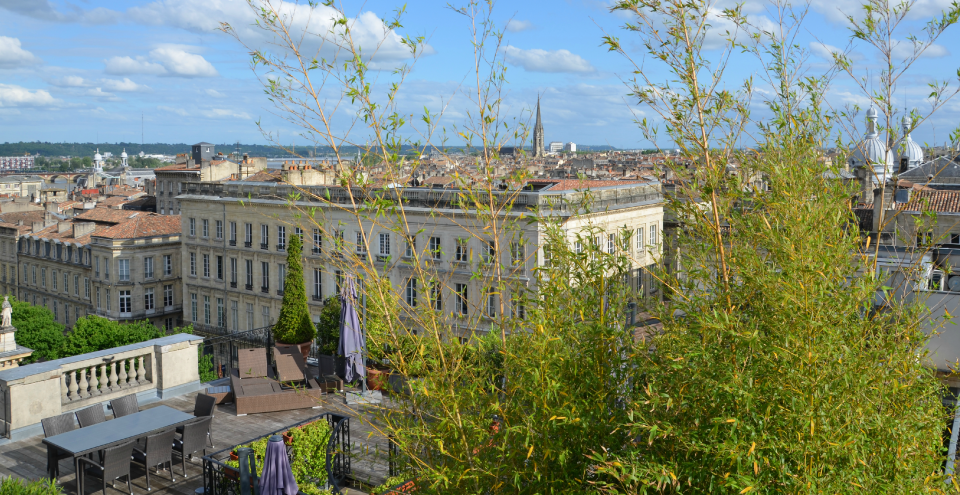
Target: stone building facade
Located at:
point(234, 245)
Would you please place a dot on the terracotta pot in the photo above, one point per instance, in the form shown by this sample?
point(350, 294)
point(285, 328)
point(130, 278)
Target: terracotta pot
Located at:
point(234, 456)
point(288, 438)
point(377, 379)
point(304, 348)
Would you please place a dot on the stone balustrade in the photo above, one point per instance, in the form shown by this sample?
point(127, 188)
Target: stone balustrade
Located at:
point(155, 369)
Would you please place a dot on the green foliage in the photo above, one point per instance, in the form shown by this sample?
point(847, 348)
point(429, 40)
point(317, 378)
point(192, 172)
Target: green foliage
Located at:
point(205, 366)
point(93, 333)
point(294, 325)
point(308, 456)
point(328, 328)
point(12, 485)
point(37, 330)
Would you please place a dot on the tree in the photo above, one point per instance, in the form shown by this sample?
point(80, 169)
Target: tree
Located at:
point(328, 328)
point(294, 325)
point(37, 330)
point(93, 333)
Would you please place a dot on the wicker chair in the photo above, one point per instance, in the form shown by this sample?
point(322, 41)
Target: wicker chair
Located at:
point(194, 439)
point(158, 451)
point(203, 406)
point(91, 415)
point(116, 464)
point(54, 426)
point(125, 406)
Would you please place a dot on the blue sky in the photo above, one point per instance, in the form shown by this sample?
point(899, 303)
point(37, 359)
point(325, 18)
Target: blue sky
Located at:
point(86, 70)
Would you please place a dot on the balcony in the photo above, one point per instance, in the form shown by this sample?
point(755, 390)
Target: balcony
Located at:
point(316, 250)
point(281, 247)
point(247, 244)
point(265, 290)
point(382, 258)
point(249, 286)
point(233, 242)
point(140, 314)
point(279, 292)
point(233, 285)
point(265, 247)
point(317, 298)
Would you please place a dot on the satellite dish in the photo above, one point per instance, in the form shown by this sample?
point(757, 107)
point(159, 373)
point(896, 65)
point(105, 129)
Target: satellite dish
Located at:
point(954, 284)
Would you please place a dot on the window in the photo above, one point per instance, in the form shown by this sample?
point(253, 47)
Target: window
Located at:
point(193, 307)
point(233, 272)
point(206, 310)
point(338, 239)
point(281, 276)
point(461, 294)
point(219, 229)
point(24, 273)
point(148, 299)
point(125, 307)
point(219, 267)
point(518, 253)
point(547, 255)
point(193, 227)
point(338, 279)
point(265, 314)
point(33, 269)
point(234, 316)
point(264, 236)
point(148, 267)
point(107, 294)
point(249, 274)
point(86, 288)
point(411, 292)
point(96, 266)
point(54, 280)
point(384, 244)
point(653, 237)
point(317, 241)
point(206, 265)
point(206, 228)
point(265, 276)
point(461, 252)
point(489, 252)
point(233, 233)
point(517, 307)
point(98, 298)
point(611, 243)
point(436, 296)
point(56, 316)
point(43, 277)
point(491, 300)
point(248, 234)
point(411, 246)
point(221, 314)
point(317, 286)
point(640, 240)
point(167, 264)
point(168, 296)
point(250, 323)
point(123, 270)
point(76, 313)
point(299, 233)
point(76, 285)
point(193, 264)
point(281, 237)
point(361, 247)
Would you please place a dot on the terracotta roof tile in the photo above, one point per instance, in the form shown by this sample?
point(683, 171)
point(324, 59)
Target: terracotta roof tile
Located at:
point(106, 215)
point(143, 225)
point(574, 184)
point(265, 176)
point(932, 200)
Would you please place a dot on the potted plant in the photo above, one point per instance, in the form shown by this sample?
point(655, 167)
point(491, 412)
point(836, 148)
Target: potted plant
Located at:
point(294, 326)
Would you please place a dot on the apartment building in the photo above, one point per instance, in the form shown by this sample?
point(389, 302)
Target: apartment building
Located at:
point(235, 235)
point(119, 264)
point(12, 227)
point(203, 164)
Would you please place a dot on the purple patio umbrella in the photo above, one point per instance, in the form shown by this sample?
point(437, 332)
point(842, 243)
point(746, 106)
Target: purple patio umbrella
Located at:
point(352, 340)
point(276, 478)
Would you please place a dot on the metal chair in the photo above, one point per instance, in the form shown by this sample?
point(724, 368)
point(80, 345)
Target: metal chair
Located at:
point(116, 464)
point(158, 451)
point(91, 415)
point(203, 406)
point(125, 406)
point(54, 426)
point(194, 439)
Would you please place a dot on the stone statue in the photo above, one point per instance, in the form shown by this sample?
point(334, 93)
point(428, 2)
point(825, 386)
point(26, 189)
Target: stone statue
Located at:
point(7, 312)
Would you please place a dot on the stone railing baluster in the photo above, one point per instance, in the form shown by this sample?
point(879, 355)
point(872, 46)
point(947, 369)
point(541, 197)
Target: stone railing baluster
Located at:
point(84, 385)
point(113, 377)
point(64, 391)
point(94, 389)
point(141, 373)
point(104, 381)
point(123, 373)
point(73, 384)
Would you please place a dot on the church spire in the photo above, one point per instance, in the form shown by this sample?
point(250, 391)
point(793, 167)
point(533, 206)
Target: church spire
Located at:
point(538, 134)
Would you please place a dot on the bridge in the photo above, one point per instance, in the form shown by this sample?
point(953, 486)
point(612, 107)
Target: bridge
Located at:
point(50, 177)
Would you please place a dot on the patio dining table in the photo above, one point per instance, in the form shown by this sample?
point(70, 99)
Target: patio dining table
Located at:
point(94, 438)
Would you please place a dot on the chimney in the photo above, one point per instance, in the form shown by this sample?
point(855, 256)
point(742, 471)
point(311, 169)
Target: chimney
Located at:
point(63, 227)
point(81, 229)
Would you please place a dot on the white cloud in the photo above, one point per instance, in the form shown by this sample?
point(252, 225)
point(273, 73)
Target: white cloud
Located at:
point(224, 113)
point(537, 60)
point(179, 111)
point(214, 93)
point(70, 82)
point(166, 60)
point(45, 10)
point(367, 29)
point(127, 65)
point(905, 49)
point(515, 25)
point(102, 95)
point(17, 96)
point(825, 51)
point(124, 86)
point(12, 55)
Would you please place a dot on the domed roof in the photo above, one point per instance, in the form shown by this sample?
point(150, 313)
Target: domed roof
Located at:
point(124, 154)
point(872, 151)
point(910, 149)
point(97, 157)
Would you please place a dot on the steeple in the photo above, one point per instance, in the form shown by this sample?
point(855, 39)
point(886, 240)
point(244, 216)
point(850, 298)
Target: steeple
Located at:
point(538, 134)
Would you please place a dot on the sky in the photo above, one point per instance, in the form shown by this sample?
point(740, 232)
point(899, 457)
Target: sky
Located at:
point(95, 70)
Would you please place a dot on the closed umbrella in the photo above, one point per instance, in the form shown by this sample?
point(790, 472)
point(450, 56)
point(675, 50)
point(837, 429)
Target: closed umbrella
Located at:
point(276, 478)
point(351, 335)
